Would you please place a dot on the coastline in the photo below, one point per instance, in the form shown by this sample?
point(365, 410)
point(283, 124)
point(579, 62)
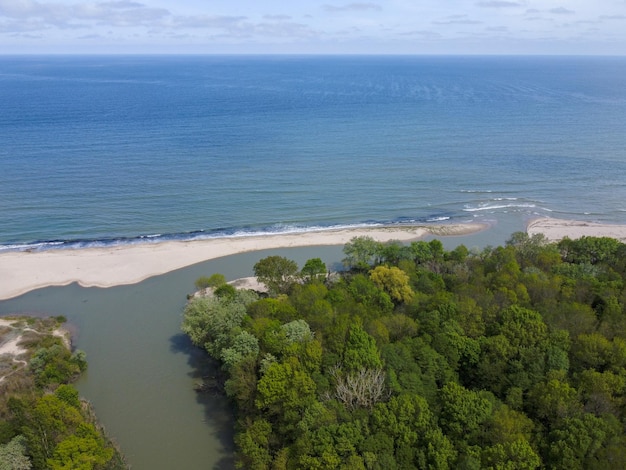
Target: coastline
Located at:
point(128, 264)
point(557, 229)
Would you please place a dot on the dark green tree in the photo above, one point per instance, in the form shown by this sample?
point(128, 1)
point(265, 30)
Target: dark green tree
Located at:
point(277, 273)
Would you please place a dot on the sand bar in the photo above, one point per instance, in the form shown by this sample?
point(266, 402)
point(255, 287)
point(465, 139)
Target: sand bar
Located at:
point(21, 272)
point(556, 229)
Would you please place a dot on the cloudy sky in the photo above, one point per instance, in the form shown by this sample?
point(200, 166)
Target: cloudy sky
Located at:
point(314, 27)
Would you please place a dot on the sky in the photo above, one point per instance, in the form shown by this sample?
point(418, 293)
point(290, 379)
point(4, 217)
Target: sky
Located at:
point(576, 27)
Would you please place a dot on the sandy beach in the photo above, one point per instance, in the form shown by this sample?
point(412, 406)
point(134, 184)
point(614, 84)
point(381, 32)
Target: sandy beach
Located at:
point(127, 264)
point(556, 229)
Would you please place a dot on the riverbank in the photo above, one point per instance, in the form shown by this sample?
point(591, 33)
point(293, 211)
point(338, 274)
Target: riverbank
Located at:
point(12, 335)
point(128, 264)
point(556, 229)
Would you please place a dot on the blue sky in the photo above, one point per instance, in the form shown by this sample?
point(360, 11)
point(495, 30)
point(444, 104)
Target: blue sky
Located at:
point(314, 27)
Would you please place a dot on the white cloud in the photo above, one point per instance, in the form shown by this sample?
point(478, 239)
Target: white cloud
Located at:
point(117, 13)
point(407, 26)
point(561, 11)
point(499, 4)
point(352, 7)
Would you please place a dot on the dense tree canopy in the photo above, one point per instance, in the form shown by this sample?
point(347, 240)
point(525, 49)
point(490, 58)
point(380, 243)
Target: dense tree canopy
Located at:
point(43, 423)
point(416, 357)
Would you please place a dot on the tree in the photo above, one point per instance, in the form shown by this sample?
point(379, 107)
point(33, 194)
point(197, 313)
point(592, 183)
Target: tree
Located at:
point(243, 345)
point(254, 445)
point(285, 387)
point(359, 389)
point(13, 455)
point(554, 399)
point(394, 281)
point(462, 411)
point(516, 455)
point(215, 280)
point(361, 253)
point(361, 351)
point(576, 441)
point(83, 450)
point(590, 250)
point(313, 270)
point(212, 322)
point(277, 273)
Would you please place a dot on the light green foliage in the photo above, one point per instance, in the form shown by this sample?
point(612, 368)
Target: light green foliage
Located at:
point(438, 452)
point(278, 309)
point(422, 252)
point(297, 331)
point(242, 345)
point(83, 450)
point(515, 455)
point(285, 386)
point(212, 322)
point(215, 280)
point(361, 253)
point(404, 418)
point(13, 455)
point(462, 411)
point(277, 273)
point(534, 250)
point(394, 281)
point(361, 351)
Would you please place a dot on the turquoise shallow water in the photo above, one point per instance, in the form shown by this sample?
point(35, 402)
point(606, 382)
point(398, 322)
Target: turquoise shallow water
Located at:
point(135, 149)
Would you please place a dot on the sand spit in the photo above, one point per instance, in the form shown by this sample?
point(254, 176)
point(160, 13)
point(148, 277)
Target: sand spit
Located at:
point(556, 229)
point(127, 264)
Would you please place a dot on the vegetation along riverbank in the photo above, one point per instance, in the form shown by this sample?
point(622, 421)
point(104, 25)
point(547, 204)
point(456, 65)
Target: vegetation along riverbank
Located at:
point(418, 357)
point(43, 422)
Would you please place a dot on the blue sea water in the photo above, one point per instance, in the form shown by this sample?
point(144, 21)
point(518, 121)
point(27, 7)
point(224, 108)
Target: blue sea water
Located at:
point(128, 149)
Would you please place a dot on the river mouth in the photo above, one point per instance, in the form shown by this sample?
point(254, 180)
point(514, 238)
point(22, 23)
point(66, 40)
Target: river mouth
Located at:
point(143, 370)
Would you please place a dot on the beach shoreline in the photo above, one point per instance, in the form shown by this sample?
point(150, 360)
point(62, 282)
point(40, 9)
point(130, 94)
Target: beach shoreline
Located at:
point(24, 271)
point(557, 229)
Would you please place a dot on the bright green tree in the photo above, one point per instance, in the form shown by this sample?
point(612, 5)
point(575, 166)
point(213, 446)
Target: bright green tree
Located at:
point(360, 351)
point(313, 270)
point(394, 281)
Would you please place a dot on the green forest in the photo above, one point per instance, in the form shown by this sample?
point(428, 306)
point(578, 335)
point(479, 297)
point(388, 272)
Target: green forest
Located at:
point(415, 357)
point(43, 422)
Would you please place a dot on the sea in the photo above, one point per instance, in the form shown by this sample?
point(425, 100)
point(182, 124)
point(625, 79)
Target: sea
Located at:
point(106, 150)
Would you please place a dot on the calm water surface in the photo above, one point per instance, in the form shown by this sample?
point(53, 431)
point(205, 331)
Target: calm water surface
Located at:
point(142, 369)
